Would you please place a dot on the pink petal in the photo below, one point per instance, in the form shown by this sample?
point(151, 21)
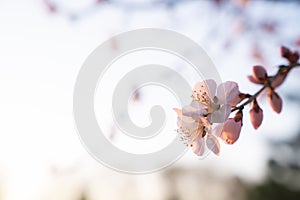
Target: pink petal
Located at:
point(253, 80)
point(236, 100)
point(217, 130)
point(259, 73)
point(178, 112)
point(208, 86)
point(187, 124)
point(231, 131)
point(220, 115)
point(205, 122)
point(194, 111)
point(275, 101)
point(179, 122)
point(198, 146)
point(183, 120)
point(197, 105)
point(213, 144)
point(182, 115)
point(228, 92)
point(256, 116)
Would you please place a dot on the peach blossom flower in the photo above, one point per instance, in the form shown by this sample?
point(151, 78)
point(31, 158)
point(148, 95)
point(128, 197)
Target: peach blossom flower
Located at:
point(217, 100)
point(211, 104)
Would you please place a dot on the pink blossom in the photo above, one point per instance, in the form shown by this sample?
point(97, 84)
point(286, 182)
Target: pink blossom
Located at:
point(217, 100)
point(195, 129)
point(191, 124)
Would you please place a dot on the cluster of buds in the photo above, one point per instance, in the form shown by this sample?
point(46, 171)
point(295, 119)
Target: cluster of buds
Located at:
point(260, 76)
point(212, 106)
point(270, 83)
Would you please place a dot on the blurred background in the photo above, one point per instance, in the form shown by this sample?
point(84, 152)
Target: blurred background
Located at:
point(43, 44)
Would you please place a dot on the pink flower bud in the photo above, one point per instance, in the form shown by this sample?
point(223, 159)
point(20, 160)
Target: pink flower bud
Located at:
point(231, 131)
point(259, 73)
point(275, 101)
point(285, 52)
point(292, 57)
point(256, 115)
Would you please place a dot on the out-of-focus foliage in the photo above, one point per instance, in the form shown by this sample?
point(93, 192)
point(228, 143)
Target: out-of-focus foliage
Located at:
point(271, 190)
point(283, 179)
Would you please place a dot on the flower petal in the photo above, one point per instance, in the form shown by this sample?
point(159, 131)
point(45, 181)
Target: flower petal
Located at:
point(198, 146)
point(213, 144)
point(220, 115)
point(185, 118)
point(197, 105)
point(194, 111)
point(228, 92)
point(205, 88)
point(186, 124)
point(178, 112)
point(217, 130)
